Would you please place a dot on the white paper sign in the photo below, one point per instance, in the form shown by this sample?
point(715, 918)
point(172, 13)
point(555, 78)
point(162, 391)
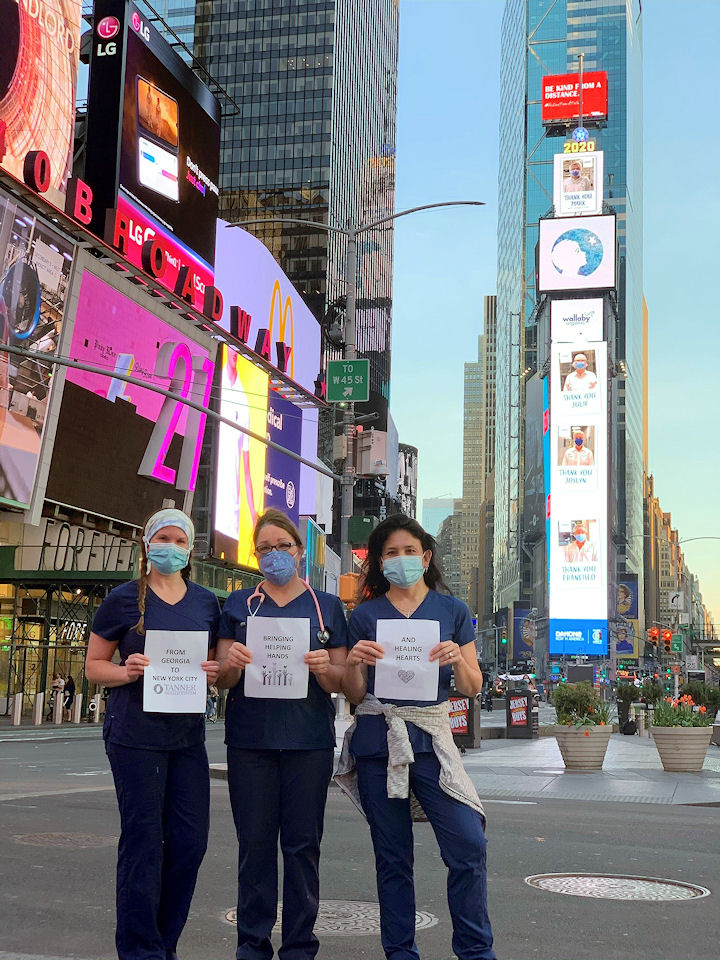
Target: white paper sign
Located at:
point(175, 682)
point(278, 646)
point(406, 672)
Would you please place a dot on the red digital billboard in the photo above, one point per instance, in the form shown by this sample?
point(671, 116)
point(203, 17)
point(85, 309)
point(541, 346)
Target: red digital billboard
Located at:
point(561, 97)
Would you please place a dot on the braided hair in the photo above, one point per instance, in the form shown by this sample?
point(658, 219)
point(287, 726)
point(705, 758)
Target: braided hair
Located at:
point(143, 585)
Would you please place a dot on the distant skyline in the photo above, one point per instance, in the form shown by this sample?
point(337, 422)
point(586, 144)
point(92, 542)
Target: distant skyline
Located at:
point(445, 260)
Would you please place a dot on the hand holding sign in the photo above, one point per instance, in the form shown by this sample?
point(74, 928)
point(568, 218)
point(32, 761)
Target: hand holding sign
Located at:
point(406, 672)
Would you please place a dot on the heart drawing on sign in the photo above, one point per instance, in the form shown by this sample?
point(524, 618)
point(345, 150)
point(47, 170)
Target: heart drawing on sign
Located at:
point(406, 675)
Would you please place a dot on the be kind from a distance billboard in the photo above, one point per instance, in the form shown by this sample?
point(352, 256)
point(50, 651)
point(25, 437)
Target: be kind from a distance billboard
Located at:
point(560, 97)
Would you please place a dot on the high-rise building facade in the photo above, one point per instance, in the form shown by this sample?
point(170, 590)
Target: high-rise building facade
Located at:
point(539, 39)
point(473, 475)
point(314, 140)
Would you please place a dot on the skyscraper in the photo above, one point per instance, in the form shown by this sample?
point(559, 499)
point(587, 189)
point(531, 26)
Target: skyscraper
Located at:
point(314, 140)
point(540, 39)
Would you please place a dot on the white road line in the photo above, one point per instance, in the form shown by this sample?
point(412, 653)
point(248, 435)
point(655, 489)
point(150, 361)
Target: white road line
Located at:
point(52, 793)
point(519, 803)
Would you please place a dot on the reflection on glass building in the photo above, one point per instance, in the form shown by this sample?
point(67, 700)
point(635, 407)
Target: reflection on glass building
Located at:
point(314, 140)
point(543, 37)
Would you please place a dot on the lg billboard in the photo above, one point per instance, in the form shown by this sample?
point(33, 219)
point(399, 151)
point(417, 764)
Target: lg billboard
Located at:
point(153, 146)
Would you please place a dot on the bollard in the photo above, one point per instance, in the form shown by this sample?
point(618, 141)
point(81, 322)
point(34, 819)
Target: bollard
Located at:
point(76, 710)
point(94, 708)
point(38, 707)
point(17, 709)
point(58, 707)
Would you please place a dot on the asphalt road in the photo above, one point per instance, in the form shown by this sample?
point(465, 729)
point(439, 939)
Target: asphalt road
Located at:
point(58, 901)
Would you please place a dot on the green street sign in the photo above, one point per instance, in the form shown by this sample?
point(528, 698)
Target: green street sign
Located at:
point(676, 643)
point(348, 381)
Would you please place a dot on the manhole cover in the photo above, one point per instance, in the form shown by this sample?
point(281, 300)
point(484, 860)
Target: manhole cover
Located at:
point(619, 887)
point(348, 917)
point(78, 841)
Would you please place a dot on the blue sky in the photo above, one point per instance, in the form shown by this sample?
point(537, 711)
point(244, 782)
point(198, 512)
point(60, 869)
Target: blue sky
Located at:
point(448, 107)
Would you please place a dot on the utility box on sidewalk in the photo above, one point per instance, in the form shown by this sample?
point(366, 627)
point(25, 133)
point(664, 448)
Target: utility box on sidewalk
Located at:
point(522, 716)
point(465, 720)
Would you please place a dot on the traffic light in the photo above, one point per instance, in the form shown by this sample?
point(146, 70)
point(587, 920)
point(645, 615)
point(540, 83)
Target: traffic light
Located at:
point(503, 636)
point(653, 634)
point(667, 640)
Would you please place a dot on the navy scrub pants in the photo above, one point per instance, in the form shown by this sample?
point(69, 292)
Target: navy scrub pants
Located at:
point(164, 800)
point(278, 792)
point(459, 832)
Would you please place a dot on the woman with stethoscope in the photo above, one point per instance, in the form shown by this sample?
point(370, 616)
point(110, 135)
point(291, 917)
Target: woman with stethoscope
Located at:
point(280, 746)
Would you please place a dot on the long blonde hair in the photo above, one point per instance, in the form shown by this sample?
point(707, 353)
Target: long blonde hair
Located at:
point(143, 584)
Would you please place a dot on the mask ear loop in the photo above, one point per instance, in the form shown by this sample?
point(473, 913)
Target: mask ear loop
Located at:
point(146, 543)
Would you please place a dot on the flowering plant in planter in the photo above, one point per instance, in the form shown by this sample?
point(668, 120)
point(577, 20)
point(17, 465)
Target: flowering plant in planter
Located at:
point(682, 712)
point(579, 705)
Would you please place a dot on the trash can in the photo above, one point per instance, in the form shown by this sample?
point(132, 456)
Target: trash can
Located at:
point(465, 720)
point(521, 715)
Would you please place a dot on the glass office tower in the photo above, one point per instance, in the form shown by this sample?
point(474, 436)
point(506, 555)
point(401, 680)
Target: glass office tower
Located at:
point(314, 140)
point(542, 37)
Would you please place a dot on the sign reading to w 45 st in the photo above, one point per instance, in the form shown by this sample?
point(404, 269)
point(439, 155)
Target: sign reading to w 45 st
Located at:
point(348, 381)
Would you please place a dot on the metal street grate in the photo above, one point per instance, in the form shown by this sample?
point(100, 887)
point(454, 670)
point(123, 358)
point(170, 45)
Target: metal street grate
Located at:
point(79, 841)
point(616, 887)
point(343, 917)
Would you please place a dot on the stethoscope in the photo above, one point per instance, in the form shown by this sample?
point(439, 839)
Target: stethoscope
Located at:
point(323, 634)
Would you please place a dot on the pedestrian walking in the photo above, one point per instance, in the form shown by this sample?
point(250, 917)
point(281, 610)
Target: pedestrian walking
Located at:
point(69, 696)
point(158, 760)
point(211, 704)
point(280, 750)
point(401, 750)
point(57, 688)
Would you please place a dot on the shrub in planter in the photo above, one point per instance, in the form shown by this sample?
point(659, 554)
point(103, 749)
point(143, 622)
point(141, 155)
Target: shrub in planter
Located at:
point(682, 732)
point(583, 730)
point(651, 692)
point(625, 694)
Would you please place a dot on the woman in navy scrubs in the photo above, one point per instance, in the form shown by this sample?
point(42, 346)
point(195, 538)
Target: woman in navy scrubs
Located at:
point(400, 581)
point(158, 760)
point(280, 752)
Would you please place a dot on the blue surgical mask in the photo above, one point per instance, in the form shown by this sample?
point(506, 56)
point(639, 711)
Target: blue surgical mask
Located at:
point(574, 173)
point(580, 537)
point(278, 567)
point(580, 365)
point(403, 571)
point(167, 558)
point(579, 441)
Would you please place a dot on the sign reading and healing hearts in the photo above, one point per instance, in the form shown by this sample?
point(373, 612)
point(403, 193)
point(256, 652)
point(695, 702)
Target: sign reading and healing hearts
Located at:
point(406, 672)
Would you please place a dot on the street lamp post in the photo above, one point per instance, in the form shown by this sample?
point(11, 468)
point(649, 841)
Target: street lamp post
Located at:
point(350, 350)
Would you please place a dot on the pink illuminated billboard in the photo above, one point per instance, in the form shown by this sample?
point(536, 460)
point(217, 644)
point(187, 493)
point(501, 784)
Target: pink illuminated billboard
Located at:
point(120, 449)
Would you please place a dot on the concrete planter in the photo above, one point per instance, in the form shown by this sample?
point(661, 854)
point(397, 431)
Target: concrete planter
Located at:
point(583, 748)
point(682, 749)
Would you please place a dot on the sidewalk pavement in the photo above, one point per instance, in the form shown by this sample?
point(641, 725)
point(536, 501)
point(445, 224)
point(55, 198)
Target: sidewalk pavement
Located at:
point(524, 770)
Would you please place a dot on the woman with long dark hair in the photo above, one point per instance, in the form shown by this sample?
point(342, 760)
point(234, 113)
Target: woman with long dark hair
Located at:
point(402, 750)
point(158, 760)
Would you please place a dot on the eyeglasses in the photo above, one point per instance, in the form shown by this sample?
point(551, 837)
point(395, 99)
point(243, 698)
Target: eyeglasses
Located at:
point(285, 546)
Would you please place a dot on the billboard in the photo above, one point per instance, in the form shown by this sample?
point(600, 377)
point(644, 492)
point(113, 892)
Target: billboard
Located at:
point(153, 147)
point(120, 450)
point(524, 633)
point(240, 476)
point(626, 625)
point(574, 257)
point(263, 308)
point(578, 184)
point(560, 97)
point(35, 264)
point(576, 321)
point(282, 473)
point(578, 528)
point(38, 80)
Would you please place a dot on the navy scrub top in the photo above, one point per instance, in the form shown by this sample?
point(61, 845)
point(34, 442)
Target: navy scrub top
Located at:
point(258, 724)
point(125, 722)
point(370, 736)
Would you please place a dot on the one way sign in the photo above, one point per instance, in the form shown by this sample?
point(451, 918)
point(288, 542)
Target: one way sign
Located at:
point(348, 381)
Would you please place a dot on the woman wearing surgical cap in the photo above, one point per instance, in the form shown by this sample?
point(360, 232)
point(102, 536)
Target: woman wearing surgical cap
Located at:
point(158, 760)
